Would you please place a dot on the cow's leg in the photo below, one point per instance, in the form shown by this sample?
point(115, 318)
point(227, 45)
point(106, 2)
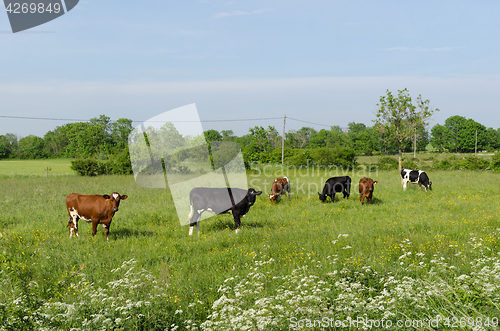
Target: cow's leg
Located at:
point(404, 184)
point(106, 229)
point(73, 226)
point(332, 196)
point(94, 227)
point(73, 222)
point(237, 222)
point(362, 199)
point(194, 220)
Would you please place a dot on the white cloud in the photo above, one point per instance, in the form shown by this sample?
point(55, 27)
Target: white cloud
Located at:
point(240, 13)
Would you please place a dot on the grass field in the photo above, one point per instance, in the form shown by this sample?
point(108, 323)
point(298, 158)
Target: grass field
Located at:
point(412, 256)
point(35, 168)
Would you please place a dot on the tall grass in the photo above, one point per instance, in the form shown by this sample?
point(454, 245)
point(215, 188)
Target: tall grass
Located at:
point(412, 254)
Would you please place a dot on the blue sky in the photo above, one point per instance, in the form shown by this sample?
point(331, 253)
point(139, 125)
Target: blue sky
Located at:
point(326, 62)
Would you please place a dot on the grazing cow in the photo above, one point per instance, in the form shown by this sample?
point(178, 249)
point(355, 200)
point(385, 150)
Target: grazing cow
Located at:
point(366, 187)
point(336, 185)
point(415, 177)
point(233, 201)
point(98, 209)
point(280, 186)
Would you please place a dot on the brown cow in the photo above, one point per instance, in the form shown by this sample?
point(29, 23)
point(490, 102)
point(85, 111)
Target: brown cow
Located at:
point(98, 209)
point(366, 187)
point(279, 187)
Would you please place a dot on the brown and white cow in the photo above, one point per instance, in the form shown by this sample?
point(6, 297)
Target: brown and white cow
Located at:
point(280, 186)
point(366, 187)
point(98, 209)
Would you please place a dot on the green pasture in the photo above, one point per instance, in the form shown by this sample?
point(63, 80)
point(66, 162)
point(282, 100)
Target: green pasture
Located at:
point(35, 168)
point(152, 275)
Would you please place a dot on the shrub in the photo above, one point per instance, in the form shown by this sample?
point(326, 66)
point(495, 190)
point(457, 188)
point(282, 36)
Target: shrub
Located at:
point(495, 161)
point(339, 157)
point(444, 164)
point(119, 164)
point(300, 157)
point(410, 163)
point(387, 163)
point(474, 163)
point(87, 167)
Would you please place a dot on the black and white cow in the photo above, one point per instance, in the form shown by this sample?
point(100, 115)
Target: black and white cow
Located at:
point(233, 201)
point(415, 177)
point(336, 185)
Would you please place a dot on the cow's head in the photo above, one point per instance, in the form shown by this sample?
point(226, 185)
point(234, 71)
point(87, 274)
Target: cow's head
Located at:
point(322, 197)
point(272, 197)
point(115, 199)
point(251, 194)
point(430, 186)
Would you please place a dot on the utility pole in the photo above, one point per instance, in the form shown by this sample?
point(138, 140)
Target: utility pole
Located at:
point(283, 142)
point(475, 146)
point(415, 146)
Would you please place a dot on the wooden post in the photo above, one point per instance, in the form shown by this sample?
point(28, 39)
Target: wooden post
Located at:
point(283, 142)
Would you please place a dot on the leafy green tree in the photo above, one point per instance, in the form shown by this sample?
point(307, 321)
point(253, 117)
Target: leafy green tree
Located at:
point(300, 139)
point(422, 140)
point(440, 137)
point(361, 138)
point(213, 135)
point(84, 140)
point(399, 119)
point(120, 132)
point(12, 139)
point(227, 135)
point(5, 148)
point(265, 139)
point(492, 138)
point(467, 136)
point(461, 134)
point(454, 125)
point(31, 147)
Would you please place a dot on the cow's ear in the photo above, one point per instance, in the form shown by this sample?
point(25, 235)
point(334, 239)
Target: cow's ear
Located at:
point(269, 194)
point(258, 193)
point(375, 182)
point(123, 197)
point(105, 196)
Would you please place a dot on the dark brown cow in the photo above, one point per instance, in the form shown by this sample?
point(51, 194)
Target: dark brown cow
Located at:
point(98, 209)
point(366, 186)
point(279, 187)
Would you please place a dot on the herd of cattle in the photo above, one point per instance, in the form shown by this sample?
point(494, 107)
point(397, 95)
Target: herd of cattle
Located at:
point(100, 209)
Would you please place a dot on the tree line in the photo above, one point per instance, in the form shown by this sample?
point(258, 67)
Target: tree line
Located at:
point(102, 138)
point(400, 126)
